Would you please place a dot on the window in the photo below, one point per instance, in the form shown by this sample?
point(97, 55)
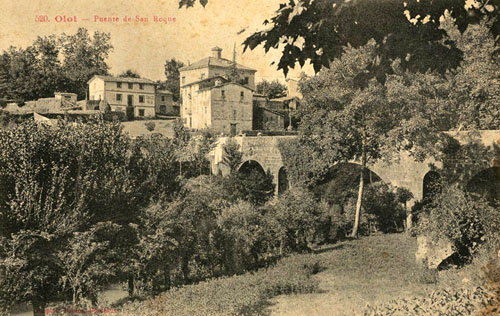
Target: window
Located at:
point(189, 96)
point(141, 86)
point(118, 84)
point(245, 81)
point(67, 97)
point(242, 95)
point(131, 85)
point(118, 97)
point(163, 98)
point(183, 79)
point(141, 112)
point(234, 114)
point(163, 108)
point(223, 94)
point(141, 99)
point(202, 76)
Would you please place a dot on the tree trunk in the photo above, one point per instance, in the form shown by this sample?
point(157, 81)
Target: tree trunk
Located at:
point(358, 205)
point(38, 308)
point(166, 279)
point(408, 219)
point(185, 269)
point(130, 285)
point(360, 190)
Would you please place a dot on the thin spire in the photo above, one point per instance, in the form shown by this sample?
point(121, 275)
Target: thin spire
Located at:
point(234, 53)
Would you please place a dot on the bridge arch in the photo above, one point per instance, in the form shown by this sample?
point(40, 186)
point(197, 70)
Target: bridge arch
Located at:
point(431, 184)
point(342, 177)
point(485, 183)
point(251, 165)
point(283, 183)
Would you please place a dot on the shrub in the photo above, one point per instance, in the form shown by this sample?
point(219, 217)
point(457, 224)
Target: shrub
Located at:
point(449, 302)
point(381, 210)
point(237, 295)
point(296, 219)
point(467, 222)
point(150, 126)
point(247, 237)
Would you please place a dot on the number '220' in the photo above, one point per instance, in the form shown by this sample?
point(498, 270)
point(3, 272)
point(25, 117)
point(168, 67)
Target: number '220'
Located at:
point(41, 18)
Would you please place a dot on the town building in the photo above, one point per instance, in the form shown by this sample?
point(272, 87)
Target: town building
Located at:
point(131, 95)
point(68, 96)
point(218, 94)
point(164, 103)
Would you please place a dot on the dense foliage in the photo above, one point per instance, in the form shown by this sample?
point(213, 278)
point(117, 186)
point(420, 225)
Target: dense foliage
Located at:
point(467, 221)
point(67, 194)
point(317, 31)
point(172, 76)
point(240, 295)
point(53, 63)
point(271, 89)
point(452, 302)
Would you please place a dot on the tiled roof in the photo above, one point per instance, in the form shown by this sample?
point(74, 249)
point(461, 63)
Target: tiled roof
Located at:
point(164, 92)
point(123, 79)
point(214, 62)
point(203, 80)
point(226, 84)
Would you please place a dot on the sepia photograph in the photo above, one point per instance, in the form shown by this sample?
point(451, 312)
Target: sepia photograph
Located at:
point(250, 158)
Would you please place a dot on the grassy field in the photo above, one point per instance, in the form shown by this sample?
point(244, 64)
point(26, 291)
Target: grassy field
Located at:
point(369, 270)
point(338, 279)
point(354, 273)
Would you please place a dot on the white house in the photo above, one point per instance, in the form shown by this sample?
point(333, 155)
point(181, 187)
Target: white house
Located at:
point(136, 94)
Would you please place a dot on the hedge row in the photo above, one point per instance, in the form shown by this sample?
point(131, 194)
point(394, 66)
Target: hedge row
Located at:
point(237, 295)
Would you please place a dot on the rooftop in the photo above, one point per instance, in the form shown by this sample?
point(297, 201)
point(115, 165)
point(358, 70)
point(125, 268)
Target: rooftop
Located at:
point(163, 92)
point(204, 80)
point(215, 62)
point(225, 84)
point(123, 79)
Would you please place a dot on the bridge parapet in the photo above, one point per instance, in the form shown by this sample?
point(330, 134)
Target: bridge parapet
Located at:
point(402, 172)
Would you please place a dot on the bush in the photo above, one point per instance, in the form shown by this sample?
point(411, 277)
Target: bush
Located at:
point(150, 126)
point(296, 219)
point(237, 295)
point(247, 238)
point(467, 222)
point(380, 211)
point(449, 302)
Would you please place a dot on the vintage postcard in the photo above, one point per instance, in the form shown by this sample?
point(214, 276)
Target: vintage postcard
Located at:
point(263, 157)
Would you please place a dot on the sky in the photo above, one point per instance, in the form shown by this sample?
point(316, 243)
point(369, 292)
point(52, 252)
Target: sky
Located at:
point(145, 46)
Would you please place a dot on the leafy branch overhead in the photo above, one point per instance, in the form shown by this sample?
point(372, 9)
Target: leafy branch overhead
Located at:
point(317, 30)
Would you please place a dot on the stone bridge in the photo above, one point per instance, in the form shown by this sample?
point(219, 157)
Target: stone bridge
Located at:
point(403, 172)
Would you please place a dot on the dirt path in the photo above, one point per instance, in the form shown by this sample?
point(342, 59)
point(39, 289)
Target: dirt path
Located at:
point(370, 270)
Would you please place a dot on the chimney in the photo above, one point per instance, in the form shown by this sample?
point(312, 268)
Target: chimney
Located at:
point(217, 52)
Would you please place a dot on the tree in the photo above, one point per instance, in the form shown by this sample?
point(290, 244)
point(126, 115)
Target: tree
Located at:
point(32, 73)
point(56, 182)
point(318, 30)
point(129, 73)
point(295, 219)
point(84, 57)
point(232, 157)
point(172, 74)
point(86, 261)
point(271, 89)
point(345, 115)
point(475, 83)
